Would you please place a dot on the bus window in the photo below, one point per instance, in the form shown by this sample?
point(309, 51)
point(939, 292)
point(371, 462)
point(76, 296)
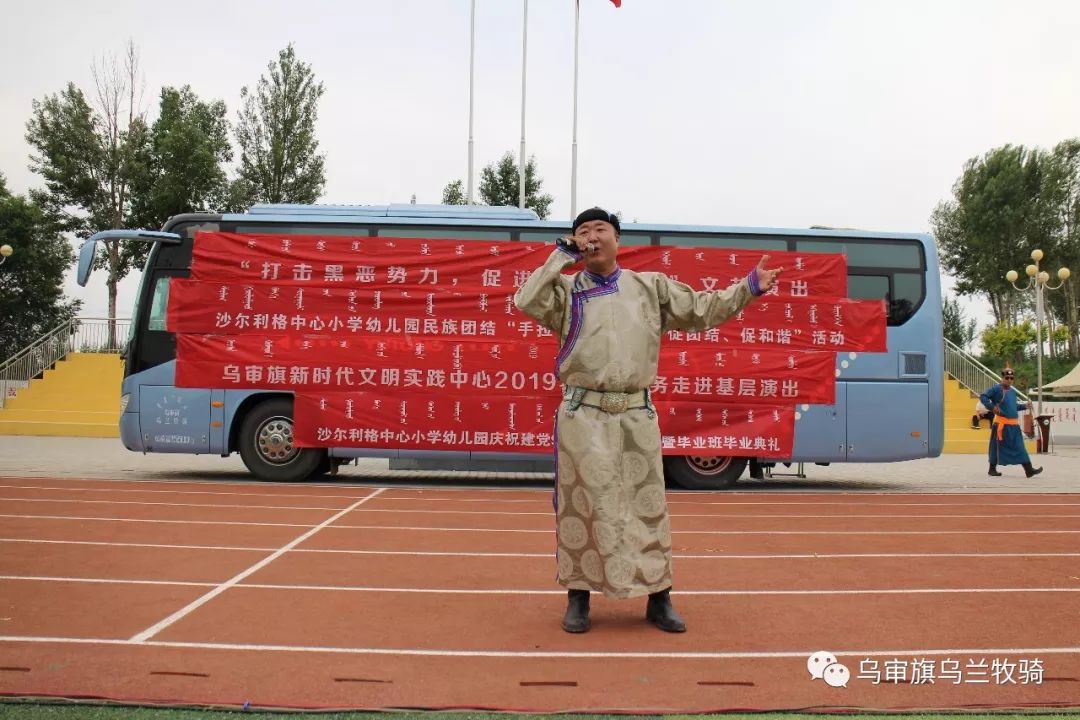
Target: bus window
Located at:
point(868, 287)
point(465, 233)
point(550, 235)
point(904, 298)
point(158, 305)
point(747, 243)
point(347, 231)
point(863, 253)
point(908, 293)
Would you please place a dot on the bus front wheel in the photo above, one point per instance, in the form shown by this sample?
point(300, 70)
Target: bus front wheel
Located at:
point(267, 446)
point(695, 472)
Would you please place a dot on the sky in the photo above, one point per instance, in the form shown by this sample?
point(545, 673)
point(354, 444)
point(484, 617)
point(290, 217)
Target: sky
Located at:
point(776, 113)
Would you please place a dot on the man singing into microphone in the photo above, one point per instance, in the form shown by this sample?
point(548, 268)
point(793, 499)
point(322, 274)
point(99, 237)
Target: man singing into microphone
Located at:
point(613, 530)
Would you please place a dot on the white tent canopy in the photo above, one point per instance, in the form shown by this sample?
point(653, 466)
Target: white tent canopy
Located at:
point(1067, 385)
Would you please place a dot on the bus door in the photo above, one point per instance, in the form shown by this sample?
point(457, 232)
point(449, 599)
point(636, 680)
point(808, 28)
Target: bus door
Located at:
point(171, 419)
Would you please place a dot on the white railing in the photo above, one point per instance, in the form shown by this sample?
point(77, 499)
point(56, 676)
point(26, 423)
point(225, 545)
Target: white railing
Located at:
point(96, 335)
point(969, 372)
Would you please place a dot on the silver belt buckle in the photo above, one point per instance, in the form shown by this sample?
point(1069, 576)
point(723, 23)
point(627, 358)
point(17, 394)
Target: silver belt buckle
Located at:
point(614, 402)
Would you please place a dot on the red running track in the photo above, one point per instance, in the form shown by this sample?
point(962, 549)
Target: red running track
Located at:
point(324, 597)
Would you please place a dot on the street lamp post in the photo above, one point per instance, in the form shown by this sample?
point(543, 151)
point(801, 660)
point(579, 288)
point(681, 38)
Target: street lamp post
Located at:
point(1038, 281)
point(5, 253)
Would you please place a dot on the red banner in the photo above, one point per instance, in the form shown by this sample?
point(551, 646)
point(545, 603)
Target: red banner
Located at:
point(416, 343)
point(509, 424)
point(419, 264)
point(476, 368)
point(259, 308)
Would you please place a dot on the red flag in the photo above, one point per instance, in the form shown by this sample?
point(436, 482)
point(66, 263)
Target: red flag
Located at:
point(616, 3)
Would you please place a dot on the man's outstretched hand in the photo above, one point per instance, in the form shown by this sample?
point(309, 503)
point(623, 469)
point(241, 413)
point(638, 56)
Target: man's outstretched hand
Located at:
point(766, 278)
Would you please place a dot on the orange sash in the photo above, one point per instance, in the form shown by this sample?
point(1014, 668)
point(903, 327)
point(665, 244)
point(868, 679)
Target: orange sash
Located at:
point(1001, 423)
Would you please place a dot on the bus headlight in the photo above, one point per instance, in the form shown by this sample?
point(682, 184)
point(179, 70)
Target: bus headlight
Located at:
point(124, 402)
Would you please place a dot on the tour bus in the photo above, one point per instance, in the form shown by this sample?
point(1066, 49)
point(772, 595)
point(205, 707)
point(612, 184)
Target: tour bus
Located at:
point(888, 405)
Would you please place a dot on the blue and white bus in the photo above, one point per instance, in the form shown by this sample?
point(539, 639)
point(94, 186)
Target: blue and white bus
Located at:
point(888, 405)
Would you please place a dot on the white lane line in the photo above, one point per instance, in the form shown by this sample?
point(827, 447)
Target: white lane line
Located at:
point(435, 491)
point(548, 555)
point(102, 581)
point(545, 531)
point(169, 504)
point(136, 545)
point(185, 492)
point(234, 582)
point(199, 602)
point(417, 652)
point(548, 513)
point(356, 482)
point(152, 520)
point(709, 593)
point(724, 532)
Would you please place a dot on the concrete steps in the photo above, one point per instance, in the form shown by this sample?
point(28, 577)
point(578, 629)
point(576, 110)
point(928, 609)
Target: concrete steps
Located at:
point(80, 397)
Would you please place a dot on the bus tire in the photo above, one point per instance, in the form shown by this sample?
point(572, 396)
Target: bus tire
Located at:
point(694, 472)
point(267, 448)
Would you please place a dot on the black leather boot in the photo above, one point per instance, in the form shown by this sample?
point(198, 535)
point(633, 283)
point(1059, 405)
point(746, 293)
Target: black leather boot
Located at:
point(1029, 471)
point(660, 613)
point(993, 471)
point(576, 619)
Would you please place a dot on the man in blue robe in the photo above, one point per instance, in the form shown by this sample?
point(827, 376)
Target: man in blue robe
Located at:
point(1006, 439)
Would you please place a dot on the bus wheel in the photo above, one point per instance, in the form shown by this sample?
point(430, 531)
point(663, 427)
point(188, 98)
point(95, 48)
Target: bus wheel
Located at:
point(267, 448)
point(698, 472)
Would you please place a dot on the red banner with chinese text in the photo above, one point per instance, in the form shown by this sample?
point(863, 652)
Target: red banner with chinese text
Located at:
point(416, 343)
point(523, 424)
point(474, 368)
point(411, 263)
point(196, 307)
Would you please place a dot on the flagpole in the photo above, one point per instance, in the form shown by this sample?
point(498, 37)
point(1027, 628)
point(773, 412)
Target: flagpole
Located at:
point(524, 57)
point(472, 78)
point(573, 152)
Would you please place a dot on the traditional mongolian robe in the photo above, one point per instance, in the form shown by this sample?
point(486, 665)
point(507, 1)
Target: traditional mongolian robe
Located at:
point(1006, 439)
point(613, 531)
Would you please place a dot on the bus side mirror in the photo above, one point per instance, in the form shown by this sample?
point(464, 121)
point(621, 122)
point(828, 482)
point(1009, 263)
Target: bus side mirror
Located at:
point(86, 261)
point(86, 252)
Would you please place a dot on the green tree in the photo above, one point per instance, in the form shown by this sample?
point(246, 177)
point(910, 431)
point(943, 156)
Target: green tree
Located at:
point(500, 185)
point(454, 193)
point(88, 158)
point(1061, 191)
point(1008, 342)
point(32, 300)
point(279, 162)
point(996, 217)
point(189, 142)
point(955, 324)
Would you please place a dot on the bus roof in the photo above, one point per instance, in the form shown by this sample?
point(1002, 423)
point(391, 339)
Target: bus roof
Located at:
point(487, 215)
point(460, 212)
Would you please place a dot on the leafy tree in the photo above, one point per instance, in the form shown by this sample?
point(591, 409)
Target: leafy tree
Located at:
point(1062, 191)
point(454, 193)
point(32, 300)
point(1008, 342)
point(996, 217)
point(88, 158)
point(188, 144)
point(276, 135)
point(956, 326)
point(500, 186)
